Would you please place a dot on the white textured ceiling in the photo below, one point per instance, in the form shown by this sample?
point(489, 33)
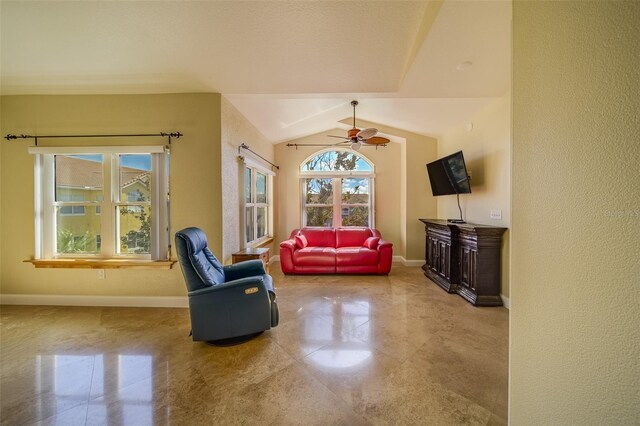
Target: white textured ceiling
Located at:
point(290, 67)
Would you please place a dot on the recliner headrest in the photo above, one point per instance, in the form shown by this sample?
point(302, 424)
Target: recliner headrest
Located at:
point(195, 238)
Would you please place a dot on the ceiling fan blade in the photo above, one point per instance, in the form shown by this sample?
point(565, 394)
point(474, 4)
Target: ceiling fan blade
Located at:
point(377, 140)
point(365, 134)
point(341, 137)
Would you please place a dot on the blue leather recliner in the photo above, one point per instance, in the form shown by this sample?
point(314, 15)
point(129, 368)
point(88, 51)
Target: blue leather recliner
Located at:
point(224, 301)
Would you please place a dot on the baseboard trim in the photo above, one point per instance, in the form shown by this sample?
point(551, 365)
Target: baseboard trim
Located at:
point(413, 263)
point(394, 259)
point(405, 262)
point(121, 301)
point(506, 301)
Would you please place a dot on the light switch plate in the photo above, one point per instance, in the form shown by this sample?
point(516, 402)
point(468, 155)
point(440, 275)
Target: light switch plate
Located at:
point(496, 214)
point(101, 274)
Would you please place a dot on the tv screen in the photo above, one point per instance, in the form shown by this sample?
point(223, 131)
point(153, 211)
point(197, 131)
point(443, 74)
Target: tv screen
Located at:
point(448, 175)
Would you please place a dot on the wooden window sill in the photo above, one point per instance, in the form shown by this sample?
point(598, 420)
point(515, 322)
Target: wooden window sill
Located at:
point(102, 263)
point(262, 243)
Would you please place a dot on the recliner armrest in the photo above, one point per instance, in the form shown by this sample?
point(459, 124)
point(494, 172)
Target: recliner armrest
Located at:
point(255, 281)
point(248, 268)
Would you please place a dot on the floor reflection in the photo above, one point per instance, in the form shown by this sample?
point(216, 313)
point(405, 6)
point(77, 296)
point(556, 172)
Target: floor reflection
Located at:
point(328, 331)
point(135, 400)
point(66, 381)
point(341, 358)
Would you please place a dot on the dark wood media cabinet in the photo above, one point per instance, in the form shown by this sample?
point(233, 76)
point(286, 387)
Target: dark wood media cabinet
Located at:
point(464, 258)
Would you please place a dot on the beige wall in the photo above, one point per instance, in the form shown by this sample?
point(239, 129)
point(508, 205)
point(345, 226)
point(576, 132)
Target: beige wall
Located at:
point(487, 153)
point(195, 181)
point(1, 180)
point(236, 129)
point(401, 198)
point(420, 150)
point(575, 299)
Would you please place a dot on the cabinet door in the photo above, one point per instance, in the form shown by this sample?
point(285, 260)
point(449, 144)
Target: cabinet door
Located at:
point(468, 257)
point(432, 254)
point(443, 266)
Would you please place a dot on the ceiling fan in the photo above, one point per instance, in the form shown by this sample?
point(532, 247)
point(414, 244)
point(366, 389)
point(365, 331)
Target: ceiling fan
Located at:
point(357, 137)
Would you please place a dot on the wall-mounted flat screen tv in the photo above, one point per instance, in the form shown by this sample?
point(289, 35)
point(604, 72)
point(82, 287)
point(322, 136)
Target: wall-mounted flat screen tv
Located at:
point(448, 175)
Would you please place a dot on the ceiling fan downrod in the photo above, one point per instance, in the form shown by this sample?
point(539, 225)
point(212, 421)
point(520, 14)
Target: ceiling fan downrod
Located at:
point(354, 103)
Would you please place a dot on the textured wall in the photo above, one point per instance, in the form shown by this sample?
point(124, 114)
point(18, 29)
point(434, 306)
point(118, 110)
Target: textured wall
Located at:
point(195, 181)
point(575, 298)
point(487, 154)
point(236, 130)
point(420, 150)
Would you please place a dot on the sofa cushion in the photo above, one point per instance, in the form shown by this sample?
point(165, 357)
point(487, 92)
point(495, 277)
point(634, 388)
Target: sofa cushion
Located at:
point(371, 242)
point(351, 237)
point(315, 256)
point(301, 241)
point(347, 256)
point(319, 237)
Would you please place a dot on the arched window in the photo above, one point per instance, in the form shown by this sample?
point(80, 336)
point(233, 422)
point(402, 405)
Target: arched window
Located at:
point(337, 189)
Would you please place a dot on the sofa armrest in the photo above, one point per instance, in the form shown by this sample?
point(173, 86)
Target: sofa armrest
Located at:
point(230, 285)
point(384, 243)
point(248, 268)
point(290, 244)
point(385, 251)
point(287, 248)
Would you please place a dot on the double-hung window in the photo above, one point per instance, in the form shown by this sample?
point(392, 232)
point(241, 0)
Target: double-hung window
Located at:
point(102, 202)
point(258, 221)
point(337, 189)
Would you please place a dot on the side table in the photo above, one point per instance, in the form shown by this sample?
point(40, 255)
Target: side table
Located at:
point(252, 253)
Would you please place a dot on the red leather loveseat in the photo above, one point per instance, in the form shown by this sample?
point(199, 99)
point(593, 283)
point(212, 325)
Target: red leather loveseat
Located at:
point(336, 251)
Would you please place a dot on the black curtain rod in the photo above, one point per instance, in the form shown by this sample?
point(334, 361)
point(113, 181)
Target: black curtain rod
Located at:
point(343, 144)
point(36, 137)
point(244, 146)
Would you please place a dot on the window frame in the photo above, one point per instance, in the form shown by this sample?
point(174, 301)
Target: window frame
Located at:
point(45, 203)
point(336, 176)
point(255, 168)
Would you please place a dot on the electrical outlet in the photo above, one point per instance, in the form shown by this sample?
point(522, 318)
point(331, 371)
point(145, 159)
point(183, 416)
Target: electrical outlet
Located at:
point(101, 274)
point(496, 214)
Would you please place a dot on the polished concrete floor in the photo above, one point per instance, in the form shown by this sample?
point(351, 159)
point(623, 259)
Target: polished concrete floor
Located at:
point(349, 350)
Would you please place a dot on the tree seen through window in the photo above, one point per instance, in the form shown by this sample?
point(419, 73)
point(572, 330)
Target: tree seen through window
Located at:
point(337, 199)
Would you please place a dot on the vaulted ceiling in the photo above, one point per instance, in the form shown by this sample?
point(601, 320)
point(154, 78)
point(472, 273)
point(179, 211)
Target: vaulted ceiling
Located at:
point(290, 67)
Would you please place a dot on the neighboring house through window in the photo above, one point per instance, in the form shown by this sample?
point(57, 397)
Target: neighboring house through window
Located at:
point(337, 189)
point(72, 210)
point(101, 202)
